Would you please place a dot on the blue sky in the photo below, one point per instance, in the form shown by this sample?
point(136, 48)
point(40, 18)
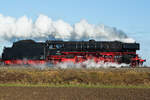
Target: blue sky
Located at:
point(131, 16)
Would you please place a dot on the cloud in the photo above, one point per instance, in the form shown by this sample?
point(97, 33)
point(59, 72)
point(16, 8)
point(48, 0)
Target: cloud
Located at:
point(45, 28)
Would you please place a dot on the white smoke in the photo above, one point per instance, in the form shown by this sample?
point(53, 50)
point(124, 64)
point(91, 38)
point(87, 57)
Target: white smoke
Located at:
point(45, 28)
point(89, 64)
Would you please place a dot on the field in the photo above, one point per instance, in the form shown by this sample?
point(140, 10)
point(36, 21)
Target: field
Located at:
point(44, 93)
point(74, 84)
point(93, 77)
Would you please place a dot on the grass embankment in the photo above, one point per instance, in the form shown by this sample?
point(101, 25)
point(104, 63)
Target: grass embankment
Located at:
point(94, 78)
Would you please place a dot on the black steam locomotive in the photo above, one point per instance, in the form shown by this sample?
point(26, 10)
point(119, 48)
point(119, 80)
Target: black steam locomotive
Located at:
point(51, 51)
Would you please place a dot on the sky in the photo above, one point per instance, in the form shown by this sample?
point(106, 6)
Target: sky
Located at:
point(131, 16)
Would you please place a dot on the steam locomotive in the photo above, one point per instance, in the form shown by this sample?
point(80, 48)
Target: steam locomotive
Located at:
point(56, 51)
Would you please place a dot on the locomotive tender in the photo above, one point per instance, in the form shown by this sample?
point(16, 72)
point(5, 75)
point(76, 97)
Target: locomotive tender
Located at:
point(56, 51)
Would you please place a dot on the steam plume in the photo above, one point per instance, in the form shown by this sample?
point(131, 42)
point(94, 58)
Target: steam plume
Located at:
point(89, 64)
point(45, 28)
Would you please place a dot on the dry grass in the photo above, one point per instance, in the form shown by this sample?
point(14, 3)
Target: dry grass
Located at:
point(75, 76)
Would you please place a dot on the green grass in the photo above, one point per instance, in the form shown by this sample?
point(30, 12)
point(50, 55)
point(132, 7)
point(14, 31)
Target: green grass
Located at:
point(73, 85)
